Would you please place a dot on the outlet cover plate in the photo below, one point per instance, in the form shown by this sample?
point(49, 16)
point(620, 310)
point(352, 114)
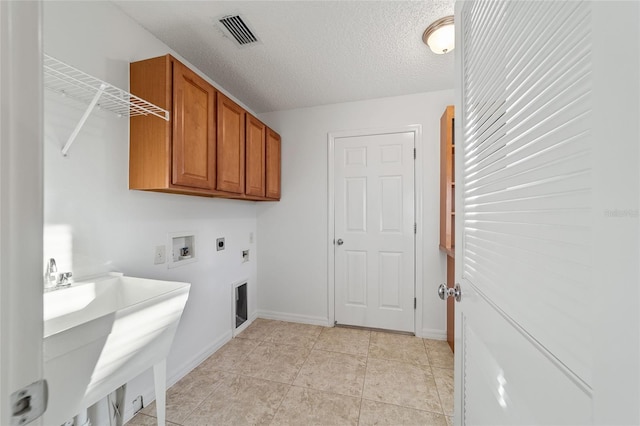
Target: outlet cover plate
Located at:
point(160, 255)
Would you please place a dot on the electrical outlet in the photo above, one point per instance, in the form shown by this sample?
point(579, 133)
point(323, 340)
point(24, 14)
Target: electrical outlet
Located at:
point(220, 244)
point(161, 255)
point(245, 256)
point(137, 404)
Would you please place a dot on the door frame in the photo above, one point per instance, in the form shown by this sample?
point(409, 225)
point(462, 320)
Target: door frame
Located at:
point(21, 202)
point(416, 129)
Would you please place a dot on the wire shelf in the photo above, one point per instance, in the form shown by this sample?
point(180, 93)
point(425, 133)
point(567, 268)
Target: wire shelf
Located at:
point(73, 83)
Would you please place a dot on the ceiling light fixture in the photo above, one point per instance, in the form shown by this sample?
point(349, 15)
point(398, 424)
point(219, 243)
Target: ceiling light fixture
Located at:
point(440, 35)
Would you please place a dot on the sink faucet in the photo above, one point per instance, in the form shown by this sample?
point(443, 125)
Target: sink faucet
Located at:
point(53, 279)
point(50, 274)
point(63, 279)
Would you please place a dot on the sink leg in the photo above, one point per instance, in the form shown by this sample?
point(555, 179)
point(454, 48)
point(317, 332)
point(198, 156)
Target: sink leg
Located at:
point(115, 400)
point(160, 382)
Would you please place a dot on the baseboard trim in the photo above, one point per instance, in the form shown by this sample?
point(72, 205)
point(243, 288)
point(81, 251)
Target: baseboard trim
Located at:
point(434, 334)
point(303, 319)
point(150, 395)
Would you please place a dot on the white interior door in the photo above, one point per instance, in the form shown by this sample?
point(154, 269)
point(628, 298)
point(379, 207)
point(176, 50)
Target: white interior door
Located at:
point(547, 194)
point(374, 231)
point(21, 212)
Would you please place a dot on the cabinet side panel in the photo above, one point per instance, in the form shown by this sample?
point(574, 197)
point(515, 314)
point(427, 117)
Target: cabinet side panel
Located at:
point(446, 179)
point(273, 165)
point(149, 136)
point(255, 157)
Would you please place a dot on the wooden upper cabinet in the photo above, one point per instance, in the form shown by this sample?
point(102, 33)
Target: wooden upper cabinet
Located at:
point(194, 154)
point(447, 182)
point(273, 165)
point(230, 146)
point(176, 155)
point(256, 136)
point(209, 144)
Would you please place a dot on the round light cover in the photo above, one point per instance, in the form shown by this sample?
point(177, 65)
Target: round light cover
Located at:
point(440, 36)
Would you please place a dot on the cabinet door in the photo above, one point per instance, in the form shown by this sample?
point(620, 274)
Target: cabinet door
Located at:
point(255, 157)
point(194, 130)
point(273, 165)
point(230, 146)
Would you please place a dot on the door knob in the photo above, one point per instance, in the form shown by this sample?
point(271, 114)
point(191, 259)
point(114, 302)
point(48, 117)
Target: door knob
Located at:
point(454, 292)
point(339, 242)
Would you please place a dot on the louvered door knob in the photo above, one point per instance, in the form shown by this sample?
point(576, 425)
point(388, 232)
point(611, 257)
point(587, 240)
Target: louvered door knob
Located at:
point(340, 242)
point(445, 292)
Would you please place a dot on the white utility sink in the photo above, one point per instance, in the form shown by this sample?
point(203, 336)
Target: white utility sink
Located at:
point(103, 332)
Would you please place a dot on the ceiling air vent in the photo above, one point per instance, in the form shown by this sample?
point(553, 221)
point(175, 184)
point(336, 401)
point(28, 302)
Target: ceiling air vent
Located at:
point(238, 30)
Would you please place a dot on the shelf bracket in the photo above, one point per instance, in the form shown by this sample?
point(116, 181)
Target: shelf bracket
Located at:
point(69, 81)
point(83, 119)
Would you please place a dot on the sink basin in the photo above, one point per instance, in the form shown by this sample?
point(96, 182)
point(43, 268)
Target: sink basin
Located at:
point(101, 333)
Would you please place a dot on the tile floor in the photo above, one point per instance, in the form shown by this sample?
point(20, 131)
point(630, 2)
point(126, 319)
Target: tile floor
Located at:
point(281, 373)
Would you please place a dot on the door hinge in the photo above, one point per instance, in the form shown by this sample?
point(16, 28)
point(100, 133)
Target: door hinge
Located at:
point(29, 403)
point(415, 228)
point(415, 303)
point(414, 153)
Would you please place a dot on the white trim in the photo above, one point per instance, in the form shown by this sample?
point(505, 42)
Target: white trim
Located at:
point(460, 8)
point(418, 206)
point(416, 129)
point(149, 396)
point(302, 319)
point(434, 334)
point(21, 201)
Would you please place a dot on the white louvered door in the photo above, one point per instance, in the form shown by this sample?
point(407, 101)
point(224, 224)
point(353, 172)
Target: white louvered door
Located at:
point(547, 194)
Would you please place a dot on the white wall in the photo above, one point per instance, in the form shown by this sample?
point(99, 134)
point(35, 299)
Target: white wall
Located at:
point(93, 223)
point(293, 233)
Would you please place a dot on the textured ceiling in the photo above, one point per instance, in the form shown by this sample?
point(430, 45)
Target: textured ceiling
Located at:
point(310, 52)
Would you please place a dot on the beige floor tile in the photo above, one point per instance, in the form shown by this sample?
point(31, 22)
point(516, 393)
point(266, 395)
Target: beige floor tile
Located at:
point(144, 420)
point(239, 401)
point(333, 372)
point(444, 384)
point(311, 407)
point(259, 329)
point(399, 383)
point(449, 421)
point(441, 357)
point(436, 344)
point(290, 333)
point(398, 347)
point(379, 413)
point(345, 340)
point(188, 393)
point(273, 361)
point(230, 354)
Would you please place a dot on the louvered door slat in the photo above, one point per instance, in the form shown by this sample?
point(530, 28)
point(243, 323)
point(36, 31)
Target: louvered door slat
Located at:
point(526, 161)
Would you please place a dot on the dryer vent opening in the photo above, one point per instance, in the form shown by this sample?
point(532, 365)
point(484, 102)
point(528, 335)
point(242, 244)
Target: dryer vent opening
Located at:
point(240, 304)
